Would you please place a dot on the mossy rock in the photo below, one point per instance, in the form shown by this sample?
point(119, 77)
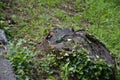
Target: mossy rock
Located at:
point(65, 39)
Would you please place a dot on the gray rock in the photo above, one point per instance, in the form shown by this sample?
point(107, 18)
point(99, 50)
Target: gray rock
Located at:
point(6, 71)
point(65, 39)
point(3, 38)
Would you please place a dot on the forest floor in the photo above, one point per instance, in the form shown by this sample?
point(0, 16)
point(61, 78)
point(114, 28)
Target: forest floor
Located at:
point(26, 22)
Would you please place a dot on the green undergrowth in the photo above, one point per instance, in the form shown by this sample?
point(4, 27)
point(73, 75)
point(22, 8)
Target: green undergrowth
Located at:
point(21, 60)
point(76, 66)
point(35, 18)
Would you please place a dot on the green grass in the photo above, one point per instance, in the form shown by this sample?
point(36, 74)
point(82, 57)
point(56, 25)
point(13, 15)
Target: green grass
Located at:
point(34, 20)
